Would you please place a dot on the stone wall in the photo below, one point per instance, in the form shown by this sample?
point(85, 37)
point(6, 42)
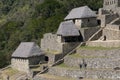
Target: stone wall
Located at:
point(67, 47)
point(111, 4)
point(36, 60)
point(102, 12)
point(113, 27)
point(110, 53)
point(23, 65)
point(107, 43)
point(92, 62)
point(103, 59)
point(87, 22)
point(88, 32)
point(51, 42)
point(20, 64)
point(112, 32)
point(107, 18)
point(94, 74)
point(54, 57)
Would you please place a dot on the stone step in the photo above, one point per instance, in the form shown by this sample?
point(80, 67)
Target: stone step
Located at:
point(51, 77)
point(93, 74)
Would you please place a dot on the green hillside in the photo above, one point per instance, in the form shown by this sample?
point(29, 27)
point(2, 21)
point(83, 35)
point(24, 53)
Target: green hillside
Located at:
point(28, 20)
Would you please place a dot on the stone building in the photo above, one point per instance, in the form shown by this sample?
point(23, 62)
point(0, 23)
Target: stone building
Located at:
point(111, 4)
point(27, 53)
point(109, 16)
point(110, 19)
point(83, 17)
point(109, 12)
point(71, 32)
point(59, 44)
point(67, 35)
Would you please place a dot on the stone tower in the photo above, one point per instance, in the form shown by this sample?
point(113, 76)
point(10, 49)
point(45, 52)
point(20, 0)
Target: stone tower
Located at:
point(111, 4)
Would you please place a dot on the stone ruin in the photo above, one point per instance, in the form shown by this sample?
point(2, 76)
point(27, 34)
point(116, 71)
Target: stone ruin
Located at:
point(82, 25)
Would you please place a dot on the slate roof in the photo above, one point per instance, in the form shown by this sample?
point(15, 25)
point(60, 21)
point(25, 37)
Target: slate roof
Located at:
point(80, 12)
point(27, 49)
point(68, 28)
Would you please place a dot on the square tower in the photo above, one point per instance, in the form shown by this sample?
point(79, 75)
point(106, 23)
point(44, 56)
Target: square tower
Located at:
point(111, 4)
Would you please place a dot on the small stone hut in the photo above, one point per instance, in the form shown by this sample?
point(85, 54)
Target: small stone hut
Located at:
point(27, 53)
point(82, 17)
point(69, 32)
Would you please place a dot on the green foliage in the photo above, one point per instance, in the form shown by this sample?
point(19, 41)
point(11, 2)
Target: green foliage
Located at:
point(28, 20)
point(48, 8)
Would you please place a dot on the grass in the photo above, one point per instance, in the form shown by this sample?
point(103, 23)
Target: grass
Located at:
point(63, 65)
point(53, 77)
point(98, 48)
point(76, 55)
point(96, 79)
point(52, 52)
point(9, 72)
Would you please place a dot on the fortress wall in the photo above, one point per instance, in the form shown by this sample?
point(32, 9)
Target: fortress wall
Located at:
point(94, 74)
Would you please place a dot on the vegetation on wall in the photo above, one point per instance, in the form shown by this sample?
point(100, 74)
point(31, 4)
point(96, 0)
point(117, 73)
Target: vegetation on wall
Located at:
point(28, 20)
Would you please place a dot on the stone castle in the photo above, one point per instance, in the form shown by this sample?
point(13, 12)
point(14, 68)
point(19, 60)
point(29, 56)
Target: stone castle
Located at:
point(81, 27)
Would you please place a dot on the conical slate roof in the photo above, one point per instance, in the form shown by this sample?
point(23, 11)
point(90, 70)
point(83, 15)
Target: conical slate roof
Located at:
point(68, 28)
point(27, 49)
point(80, 12)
